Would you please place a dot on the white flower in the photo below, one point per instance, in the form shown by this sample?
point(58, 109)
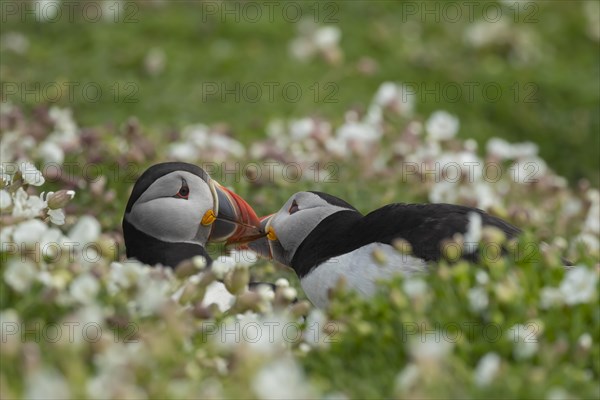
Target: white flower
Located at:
point(302, 48)
point(443, 192)
point(282, 282)
point(51, 152)
point(485, 33)
point(487, 369)
point(395, 96)
point(19, 275)
point(84, 288)
point(478, 299)
point(414, 287)
point(558, 393)
point(442, 125)
point(482, 277)
point(217, 293)
point(592, 221)
point(289, 293)
point(301, 129)
point(46, 384)
point(243, 258)
point(155, 61)
point(125, 275)
point(430, 346)
point(336, 147)
point(579, 285)
point(65, 129)
point(282, 379)
point(357, 131)
point(525, 342)
point(528, 170)
point(265, 292)
point(327, 37)
point(407, 378)
point(31, 174)
point(14, 41)
point(152, 296)
point(29, 232)
point(57, 217)
point(182, 151)
point(86, 230)
point(585, 341)
point(524, 150)
point(5, 200)
point(26, 206)
point(199, 262)
point(222, 265)
point(473, 234)
point(589, 240)
point(386, 94)
point(499, 148)
point(551, 297)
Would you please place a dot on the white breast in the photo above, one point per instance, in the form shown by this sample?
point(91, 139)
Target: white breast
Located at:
point(360, 271)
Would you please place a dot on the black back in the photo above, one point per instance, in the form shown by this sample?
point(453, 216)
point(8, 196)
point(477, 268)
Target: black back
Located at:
point(424, 226)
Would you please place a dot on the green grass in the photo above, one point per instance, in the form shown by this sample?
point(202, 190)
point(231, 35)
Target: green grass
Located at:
point(558, 93)
point(375, 338)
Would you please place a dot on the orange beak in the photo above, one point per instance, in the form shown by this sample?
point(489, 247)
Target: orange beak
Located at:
point(236, 221)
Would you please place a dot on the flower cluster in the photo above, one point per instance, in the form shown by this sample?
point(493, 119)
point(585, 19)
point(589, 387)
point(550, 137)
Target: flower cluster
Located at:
point(132, 330)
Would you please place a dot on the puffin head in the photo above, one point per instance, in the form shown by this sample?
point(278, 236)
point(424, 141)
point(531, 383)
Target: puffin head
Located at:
point(291, 225)
point(177, 202)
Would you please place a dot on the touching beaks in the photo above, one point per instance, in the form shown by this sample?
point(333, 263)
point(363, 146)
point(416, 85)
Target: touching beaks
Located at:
point(235, 221)
point(262, 246)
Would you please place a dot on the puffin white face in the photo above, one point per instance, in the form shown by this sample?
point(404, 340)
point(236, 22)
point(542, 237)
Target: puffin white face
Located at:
point(299, 216)
point(177, 207)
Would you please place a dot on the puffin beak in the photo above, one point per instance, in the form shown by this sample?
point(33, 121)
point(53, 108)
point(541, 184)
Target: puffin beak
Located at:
point(261, 246)
point(235, 221)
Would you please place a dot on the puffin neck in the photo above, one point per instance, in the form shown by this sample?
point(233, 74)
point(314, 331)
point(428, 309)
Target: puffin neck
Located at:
point(152, 251)
point(334, 236)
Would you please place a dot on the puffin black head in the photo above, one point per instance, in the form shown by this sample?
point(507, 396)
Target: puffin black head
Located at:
point(291, 225)
point(179, 203)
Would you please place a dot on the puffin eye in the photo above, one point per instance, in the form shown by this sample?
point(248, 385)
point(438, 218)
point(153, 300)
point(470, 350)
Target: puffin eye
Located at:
point(184, 191)
point(294, 207)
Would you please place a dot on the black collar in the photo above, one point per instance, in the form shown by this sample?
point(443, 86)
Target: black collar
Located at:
point(334, 236)
point(151, 251)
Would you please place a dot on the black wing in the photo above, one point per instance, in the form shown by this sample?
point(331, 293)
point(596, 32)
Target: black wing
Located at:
point(425, 226)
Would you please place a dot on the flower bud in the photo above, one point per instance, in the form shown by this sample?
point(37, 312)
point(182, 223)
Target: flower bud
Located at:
point(282, 282)
point(190, 291)
point(247, 301)
point(300, 309)
point(491, 234)
point(202, 312)
point(379, 257)
point(451, 250)
point(60, 199)
point(237, 280)
point(184, 269)
point(402, 246)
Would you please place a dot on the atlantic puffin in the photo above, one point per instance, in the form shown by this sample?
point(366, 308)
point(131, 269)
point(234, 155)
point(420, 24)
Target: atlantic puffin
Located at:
point(175, 208)
point(323, 238)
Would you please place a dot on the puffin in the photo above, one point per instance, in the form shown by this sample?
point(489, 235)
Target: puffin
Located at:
point(324, 238)
point(175, 208)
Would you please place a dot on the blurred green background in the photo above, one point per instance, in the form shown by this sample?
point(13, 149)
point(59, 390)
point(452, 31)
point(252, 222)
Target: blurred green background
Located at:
point(175, 63)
